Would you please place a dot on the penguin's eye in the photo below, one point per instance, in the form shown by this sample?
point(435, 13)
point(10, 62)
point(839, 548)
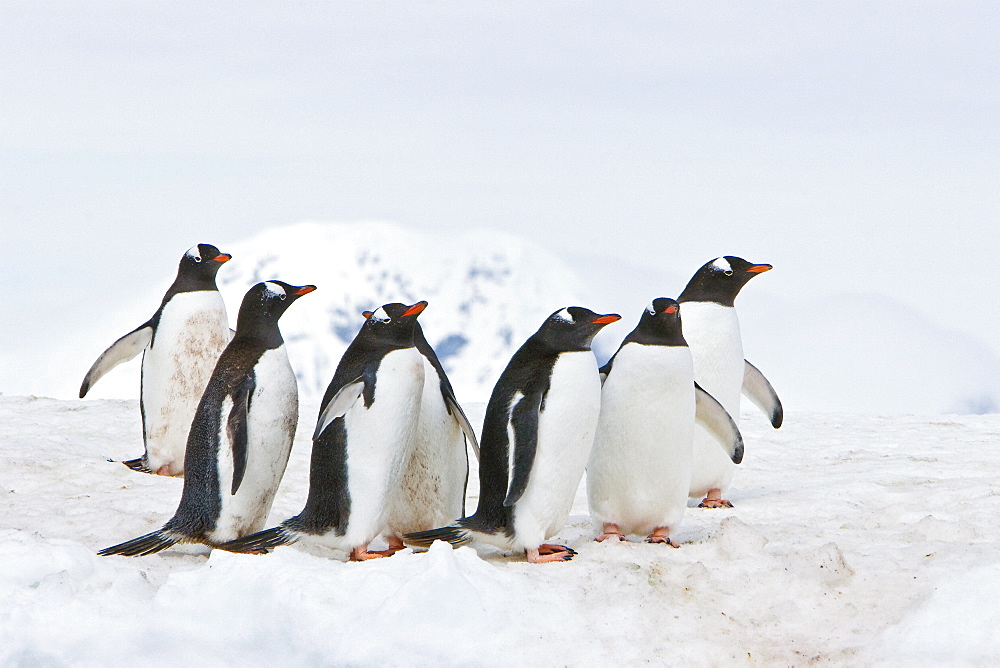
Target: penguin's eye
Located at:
point(197, 259)
point(283, 297)
point(728, 272)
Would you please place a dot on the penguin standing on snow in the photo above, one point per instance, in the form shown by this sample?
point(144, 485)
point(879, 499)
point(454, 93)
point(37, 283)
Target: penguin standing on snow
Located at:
point(432, 490)
point(537, 437)
point(712, 331)
point(180, 344)
point(242, 432)
point(640, 469)
point(364, 436)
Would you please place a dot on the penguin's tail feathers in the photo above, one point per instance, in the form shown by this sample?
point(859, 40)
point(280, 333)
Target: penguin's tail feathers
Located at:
point(151, 543)
point(138, 464)
point(456, 535)
point(261, 542)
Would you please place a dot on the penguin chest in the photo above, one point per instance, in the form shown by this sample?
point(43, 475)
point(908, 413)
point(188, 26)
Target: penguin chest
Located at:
point(712, 332)
point(431, 492)
point(640, 468)
point(566, 426)
point(379, 441)
point(271, 422)
point(192, 332)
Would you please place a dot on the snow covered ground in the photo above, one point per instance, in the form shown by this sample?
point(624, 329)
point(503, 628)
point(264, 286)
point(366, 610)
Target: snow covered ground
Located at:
point(855, 540)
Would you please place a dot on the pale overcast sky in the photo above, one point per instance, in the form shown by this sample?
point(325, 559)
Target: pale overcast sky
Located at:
point(854, 145)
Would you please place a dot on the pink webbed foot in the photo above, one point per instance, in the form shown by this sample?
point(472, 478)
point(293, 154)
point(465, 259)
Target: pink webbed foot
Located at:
point(395, 544)
point(714, 500)
point(362, 553)
point(661, 535)
point(166, 470)
point(549, 552)
point(610, 531)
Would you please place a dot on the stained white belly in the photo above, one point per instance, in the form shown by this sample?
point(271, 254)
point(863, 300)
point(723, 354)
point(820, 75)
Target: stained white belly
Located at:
point(192, 333)
point(431, 492)
point(565, 437)
point(713, 334)
point(273, 416)
point(640, 468)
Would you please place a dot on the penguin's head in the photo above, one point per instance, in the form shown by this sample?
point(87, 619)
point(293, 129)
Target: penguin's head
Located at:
point(573, 328)
point(203, 262)
point(720, 280)
point(265, 302)
point(393, 322)
point(661, 322)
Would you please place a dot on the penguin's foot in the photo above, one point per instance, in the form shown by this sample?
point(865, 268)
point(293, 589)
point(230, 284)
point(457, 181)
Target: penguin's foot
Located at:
point(714, 500)
point(549, 552)
point(166, 470)
point(395, 544)
point(610, 531)
point(661, 535)
point(362, 553)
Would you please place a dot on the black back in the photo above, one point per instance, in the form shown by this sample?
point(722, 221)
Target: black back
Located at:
point(659, 325)
point(328, 506)
point(234, 378)
point(529, 373)
point(721, 280)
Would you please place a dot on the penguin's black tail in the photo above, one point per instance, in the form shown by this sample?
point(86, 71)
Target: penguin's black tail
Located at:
point(455, 535)
point(260, 542)
point(151, 543)
point(138, 464)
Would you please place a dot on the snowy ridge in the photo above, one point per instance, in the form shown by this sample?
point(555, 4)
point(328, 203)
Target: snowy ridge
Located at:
point(855, 540)
point(487, 292)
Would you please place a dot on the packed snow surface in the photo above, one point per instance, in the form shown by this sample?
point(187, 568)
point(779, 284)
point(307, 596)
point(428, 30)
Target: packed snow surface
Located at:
point(854, 540)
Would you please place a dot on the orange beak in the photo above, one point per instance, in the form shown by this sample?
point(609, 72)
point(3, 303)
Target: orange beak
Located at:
point(305, 289)
point(224, 257)
point(759, 269)
point(605, 319)
point(671, 309)
point(415, 309)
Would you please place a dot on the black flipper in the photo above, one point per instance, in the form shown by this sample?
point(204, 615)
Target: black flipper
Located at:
point(143, 545)
point(236, 427)
point(524, 416)
point(260, 542)
point(455, 535)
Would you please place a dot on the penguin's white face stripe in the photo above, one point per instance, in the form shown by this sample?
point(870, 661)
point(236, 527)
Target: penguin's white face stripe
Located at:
point(274, 290)
point(194, 253)
point(651, 309)
point(381, 315)
point(564, 316)
point(722, 264)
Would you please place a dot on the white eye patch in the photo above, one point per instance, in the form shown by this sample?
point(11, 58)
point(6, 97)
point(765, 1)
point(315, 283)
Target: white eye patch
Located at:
point(564, 315)
point(194, 254)
point(651, 309)
point(274, 290)
point(381, 315)
point(722, 264)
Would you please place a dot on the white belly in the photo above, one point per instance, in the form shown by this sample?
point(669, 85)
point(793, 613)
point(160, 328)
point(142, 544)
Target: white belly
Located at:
point(431, 492)
point(713, 334)
point(640, 470)
point(192, 333)
point(273, 416)
point(380, 440)
point(565, 437)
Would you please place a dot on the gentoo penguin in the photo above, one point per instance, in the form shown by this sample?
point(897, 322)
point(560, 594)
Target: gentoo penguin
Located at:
point(640, 469)
point(432, 490)
point(241, 435)
point(712, 332)
point(537, 437)
point(364, 436)
point(181, 344)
